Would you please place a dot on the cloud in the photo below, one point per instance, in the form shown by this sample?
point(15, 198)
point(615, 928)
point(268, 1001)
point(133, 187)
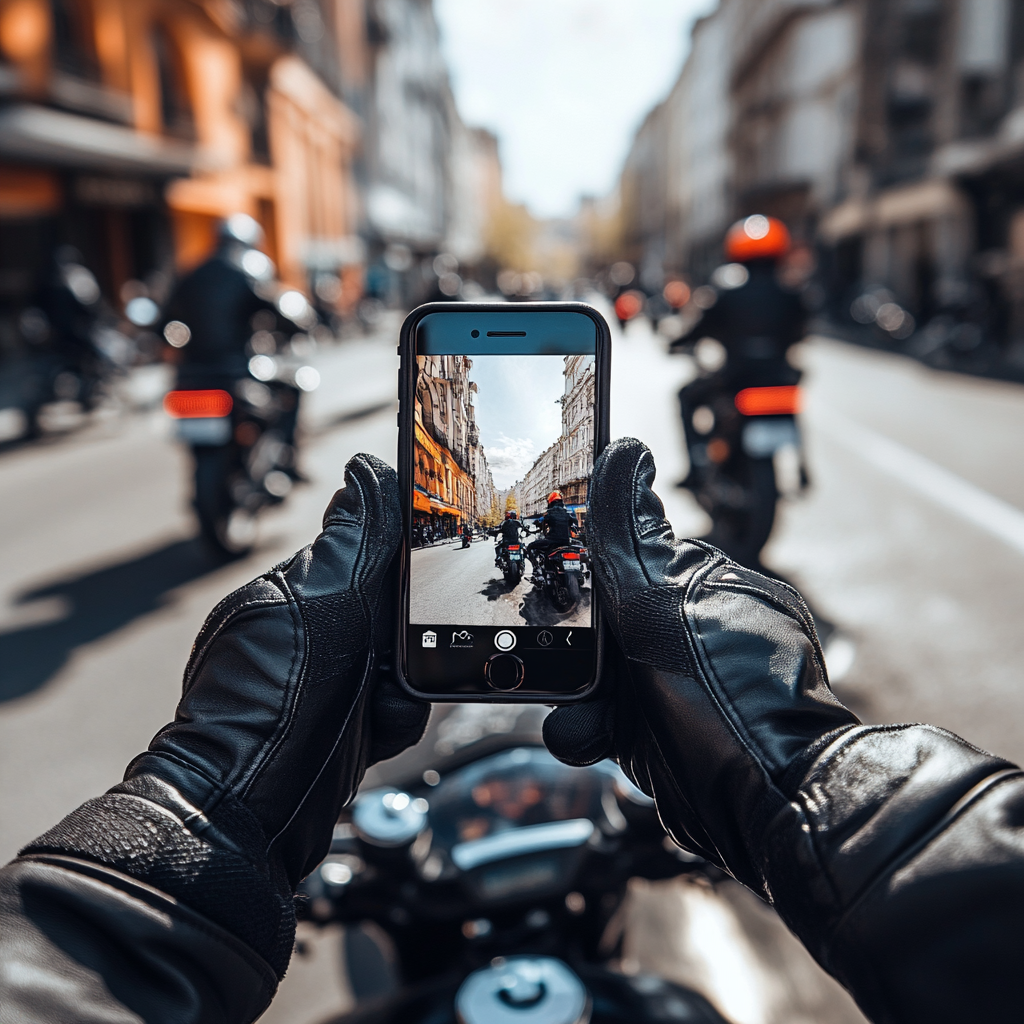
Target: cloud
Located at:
point(510, 459)
point(563, 83)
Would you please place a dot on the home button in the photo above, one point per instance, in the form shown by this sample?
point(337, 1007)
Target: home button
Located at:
point(503, 671)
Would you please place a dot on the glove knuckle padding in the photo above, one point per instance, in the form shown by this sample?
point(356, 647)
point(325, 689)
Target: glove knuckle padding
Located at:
point(758, 697)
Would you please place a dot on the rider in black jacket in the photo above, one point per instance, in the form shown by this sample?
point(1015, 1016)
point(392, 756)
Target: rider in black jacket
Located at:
point(217, 302)
point(896, 853)
point(508, 533)
point(754, 316)
point(218, 299)
point(556, 528)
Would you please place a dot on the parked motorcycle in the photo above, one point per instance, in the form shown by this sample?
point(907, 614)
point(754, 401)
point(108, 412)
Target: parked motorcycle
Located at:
point(742, 436)
point(237, 430)
point(487, 890)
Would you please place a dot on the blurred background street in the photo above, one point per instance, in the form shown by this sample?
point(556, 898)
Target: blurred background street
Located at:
point(384, 164)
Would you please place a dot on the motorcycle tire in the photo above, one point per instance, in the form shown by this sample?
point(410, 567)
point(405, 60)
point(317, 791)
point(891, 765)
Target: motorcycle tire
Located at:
point(742, 532)
point(513, 575)
point(228, 531)
point(566, 593)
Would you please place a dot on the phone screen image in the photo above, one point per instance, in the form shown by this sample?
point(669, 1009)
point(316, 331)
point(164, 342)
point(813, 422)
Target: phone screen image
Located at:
point(500, 586)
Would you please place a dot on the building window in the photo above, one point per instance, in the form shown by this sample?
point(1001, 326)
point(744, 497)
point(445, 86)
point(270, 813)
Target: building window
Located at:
point(74, 47)
point(175, 103)
point(252, 107)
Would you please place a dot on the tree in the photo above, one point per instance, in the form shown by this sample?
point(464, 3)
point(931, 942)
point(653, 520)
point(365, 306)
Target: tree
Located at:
point(511, 505)
point(493, 516)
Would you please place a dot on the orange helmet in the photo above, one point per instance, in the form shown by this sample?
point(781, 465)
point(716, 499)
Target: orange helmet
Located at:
point(755, 238)
point(554, 496)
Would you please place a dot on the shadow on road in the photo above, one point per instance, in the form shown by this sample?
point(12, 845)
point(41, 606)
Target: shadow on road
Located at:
point(538, 611)
point(94, 605)
point(495, 589)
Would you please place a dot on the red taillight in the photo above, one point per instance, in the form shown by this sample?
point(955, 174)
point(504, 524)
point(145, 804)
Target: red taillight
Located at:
point(778, 401)
point(190, 405)
point(571, 555)
point(513, 547)
point(629, 305)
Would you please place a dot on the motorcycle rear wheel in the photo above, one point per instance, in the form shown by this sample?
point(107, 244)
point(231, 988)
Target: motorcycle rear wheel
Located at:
point(742, 532)
point(513, 575)
point(566, 593)
point(227, 530)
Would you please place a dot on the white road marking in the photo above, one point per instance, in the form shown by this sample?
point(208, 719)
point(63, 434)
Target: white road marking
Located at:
point(997, 517)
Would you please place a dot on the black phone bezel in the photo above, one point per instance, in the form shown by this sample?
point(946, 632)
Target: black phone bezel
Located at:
point(406, 399)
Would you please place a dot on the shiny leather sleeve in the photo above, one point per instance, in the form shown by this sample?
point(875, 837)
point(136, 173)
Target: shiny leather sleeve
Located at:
point(900, 864)
point(82, 943)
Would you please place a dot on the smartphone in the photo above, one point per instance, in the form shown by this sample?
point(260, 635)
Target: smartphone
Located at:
point(503, 409)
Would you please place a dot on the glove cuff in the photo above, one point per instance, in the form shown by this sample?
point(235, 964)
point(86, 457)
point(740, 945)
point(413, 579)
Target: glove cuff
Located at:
point(144, 828)
point(869, 800)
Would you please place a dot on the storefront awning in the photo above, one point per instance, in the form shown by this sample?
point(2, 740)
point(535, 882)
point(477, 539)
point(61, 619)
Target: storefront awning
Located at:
point(423, 502)
point(55, 138)
point(905, 204)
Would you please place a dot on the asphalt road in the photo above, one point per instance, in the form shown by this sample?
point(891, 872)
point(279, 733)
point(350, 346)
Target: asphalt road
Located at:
point(457, 586)
point(909, 546)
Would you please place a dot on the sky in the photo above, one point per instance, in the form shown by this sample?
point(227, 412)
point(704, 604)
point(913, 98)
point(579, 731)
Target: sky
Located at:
point(518, 410)
point(564, 84)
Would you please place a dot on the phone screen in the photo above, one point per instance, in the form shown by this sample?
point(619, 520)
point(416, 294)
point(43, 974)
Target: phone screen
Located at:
point(499, 580)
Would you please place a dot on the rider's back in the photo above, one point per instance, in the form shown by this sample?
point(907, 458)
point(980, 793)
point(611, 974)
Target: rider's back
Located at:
point(216, 301)
point(556, 525)
point(761, 311)
point(510, 531)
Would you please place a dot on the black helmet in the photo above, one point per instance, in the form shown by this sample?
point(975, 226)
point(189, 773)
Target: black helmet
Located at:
point(511, 514)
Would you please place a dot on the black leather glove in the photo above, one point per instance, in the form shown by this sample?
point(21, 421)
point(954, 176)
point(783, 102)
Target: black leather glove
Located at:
point(715, 696)
point(893, 851)
point(284, 708)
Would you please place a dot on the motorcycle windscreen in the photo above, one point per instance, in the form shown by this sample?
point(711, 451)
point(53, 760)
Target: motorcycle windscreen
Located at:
point(504, 432)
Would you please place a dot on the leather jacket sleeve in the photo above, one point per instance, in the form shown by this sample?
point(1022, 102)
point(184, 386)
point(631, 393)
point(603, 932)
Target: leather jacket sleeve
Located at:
point(899, 862)
point(80, 942)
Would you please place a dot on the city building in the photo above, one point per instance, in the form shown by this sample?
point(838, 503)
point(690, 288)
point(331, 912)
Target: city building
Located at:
point(934, 211)
point(432, 184)
point(887, 133)
point(760, 119)
point(576, 445)
point(128, 129)
point(488, 511)
point(408, 136)
point(448, 463)
point(538, 482)
point(566, 465)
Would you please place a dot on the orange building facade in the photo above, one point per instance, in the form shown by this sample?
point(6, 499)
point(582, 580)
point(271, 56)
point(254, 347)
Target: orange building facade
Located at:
point(128, 128)
point(444, 495)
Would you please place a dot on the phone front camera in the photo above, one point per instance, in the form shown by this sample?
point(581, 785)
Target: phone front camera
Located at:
point(474, 334)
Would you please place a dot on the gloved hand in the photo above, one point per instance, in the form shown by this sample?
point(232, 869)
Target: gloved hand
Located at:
point(284, 707)
point(715, 696)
